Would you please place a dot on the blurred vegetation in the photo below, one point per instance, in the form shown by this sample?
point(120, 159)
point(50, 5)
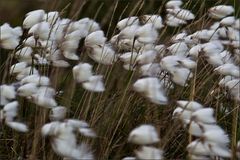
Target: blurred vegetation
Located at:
point(13, 11)
point(108, 13)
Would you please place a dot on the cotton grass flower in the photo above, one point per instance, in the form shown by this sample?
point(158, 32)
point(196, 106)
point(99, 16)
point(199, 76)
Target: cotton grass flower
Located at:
point(40, 30)
point(18, 126)
point(183, 114)
point(25, 54)
point(51, 17)
point(146, 34)
point(173, 21)
point(82, 72)
point(195, 50)
point(44, 97)
point(129, 32)
point(143, 135)
point(33, 18)
point(102, 54)
point(204, 115)
point(8, 93)
point(198, 129)
point(233, 88)
point(173, 4)
point(198, 148)
point(181, 13)
point(94, 84)
point(179, 48)
point(179, 37)
point(152, 89)
point(189, 105)
point(10, 110)
point(9, 38)
point(220, 11)
point(95, 38)
point(8, 115)
point(50, 128)
point(58, 113)
point(156, 20)
point(180, 76)
point(205, 148)
point(216, 136)
point(228, 69)
point(27, 89)
point(146, 57)
point(63, 139)
point(127, 22)
point(146, 152)
point(128, 57)
point(37, 79)
point(18, 67)
point(227, 21)
point(150, 69)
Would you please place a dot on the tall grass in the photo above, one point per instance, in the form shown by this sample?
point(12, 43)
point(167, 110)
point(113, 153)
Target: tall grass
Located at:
point(119, 109)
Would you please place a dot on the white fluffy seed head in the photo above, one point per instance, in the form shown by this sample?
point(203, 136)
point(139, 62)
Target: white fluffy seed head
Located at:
point(183, 114)
point(127, 22)
point(151, 69)
point(58, 113)
point(95, 38)
point(146, 34)
point(152, 89)
point(228, 21)
point(129, 57)
point(146, 152)
point(219, 150)
point(189, 105)
point(33, 18)
point(70, 55)
point(18, 126)
point(8, 91)
point(103, 54)
point(144, 134)
point(228, 69)
point(27, 89)
point(198, 148)
point(217, 136)
point(18, 67)
point(10, 111)
point(197, 129)
point(156, 20)
point(88, 132)
point(173, 4)
point(128, 32)
point(94, 84)
point(82, 72)
point(50, 129)
point(174, 21)
point(37, 79)
point(180, 76)
point(51, 17)
point(146, 57)
point(77, 123)
point(44, 101)
point(204, 115)
point(40, 30)
point(220, 11)
point(25, 52)
point(181, 13)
